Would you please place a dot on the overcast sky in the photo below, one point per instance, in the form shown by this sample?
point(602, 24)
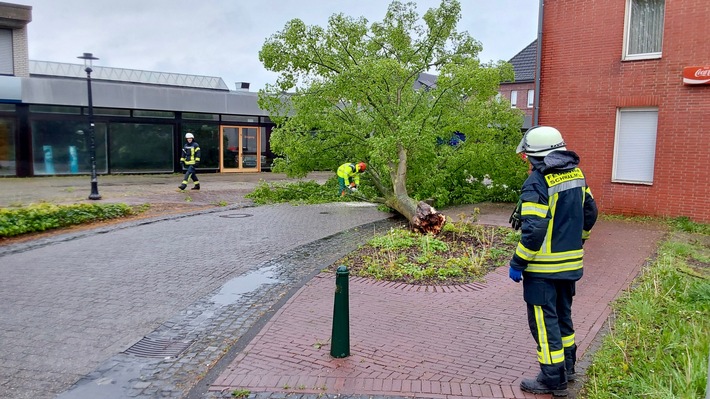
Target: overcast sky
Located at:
point(223, 37)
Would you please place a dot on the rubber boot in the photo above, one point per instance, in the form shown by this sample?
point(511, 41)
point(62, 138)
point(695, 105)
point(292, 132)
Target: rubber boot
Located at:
point(196, 187)
point(551, 379)
point(570, 361)
point(182, 186)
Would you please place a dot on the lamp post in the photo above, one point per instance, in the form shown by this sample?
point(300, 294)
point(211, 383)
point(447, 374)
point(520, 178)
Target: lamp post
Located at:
point(88, 61)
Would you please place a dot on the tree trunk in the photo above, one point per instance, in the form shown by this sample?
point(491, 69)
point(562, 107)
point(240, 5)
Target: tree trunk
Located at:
point(422, 217)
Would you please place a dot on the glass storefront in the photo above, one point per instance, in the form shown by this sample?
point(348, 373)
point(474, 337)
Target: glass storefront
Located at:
point(7, 147)
point(125, 143)
point(141, 148)
point(61, 147)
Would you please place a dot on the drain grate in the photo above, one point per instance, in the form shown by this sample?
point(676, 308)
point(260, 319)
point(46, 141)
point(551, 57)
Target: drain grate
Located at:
point(158, 348)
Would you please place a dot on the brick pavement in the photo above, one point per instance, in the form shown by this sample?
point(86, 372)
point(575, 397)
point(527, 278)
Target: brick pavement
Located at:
point(72, 303)
point(440, 342)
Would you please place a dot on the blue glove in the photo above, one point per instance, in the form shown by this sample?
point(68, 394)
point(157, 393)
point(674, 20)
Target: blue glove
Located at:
point(515, 275)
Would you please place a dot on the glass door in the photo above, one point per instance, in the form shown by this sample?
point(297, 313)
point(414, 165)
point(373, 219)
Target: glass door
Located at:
point(240, 150)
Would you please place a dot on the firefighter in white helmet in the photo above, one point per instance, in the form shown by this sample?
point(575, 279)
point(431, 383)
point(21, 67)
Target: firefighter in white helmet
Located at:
point(189, 160)
point(557, 212)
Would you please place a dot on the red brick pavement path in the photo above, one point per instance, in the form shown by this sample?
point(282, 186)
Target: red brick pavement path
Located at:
point(443, 342)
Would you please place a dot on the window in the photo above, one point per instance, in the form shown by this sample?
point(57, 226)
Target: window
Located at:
point(513, 99)
point(7, 147)
point(153, 114)
point(141, 148)
point(6, 57)
point(61, 147)
point(238, 118)
point(635, 145)
point(531, 98)
point(643, 36)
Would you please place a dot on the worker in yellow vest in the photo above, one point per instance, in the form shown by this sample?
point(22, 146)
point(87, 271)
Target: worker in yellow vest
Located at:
point(349, 176)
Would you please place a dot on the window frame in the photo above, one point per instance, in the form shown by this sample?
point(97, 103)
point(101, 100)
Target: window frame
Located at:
point(625, 56)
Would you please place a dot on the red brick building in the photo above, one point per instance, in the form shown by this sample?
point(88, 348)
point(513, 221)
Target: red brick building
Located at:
point(611, 80)
point(521, 92)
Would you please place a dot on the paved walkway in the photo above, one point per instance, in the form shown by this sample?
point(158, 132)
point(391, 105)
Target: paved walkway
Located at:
point(239, 303)
point(469, 341)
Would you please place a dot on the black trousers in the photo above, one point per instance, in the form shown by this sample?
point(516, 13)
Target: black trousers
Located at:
point(549, 304)
point(190, 174)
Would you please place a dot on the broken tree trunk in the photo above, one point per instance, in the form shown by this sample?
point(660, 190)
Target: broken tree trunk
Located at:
point(427, 219)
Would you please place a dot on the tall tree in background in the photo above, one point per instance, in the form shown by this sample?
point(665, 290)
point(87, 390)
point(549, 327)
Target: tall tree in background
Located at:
point(352, 92)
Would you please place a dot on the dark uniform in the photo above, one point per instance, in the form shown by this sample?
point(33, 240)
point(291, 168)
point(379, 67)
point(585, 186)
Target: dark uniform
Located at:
point(190, 158)
point(557, 213)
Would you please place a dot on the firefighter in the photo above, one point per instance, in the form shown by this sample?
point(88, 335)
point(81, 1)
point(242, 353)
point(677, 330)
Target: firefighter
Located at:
point(349, 176)
point(190, 159)
point(557, 212)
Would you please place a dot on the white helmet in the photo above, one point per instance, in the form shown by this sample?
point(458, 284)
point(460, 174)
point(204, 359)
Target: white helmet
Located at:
point(539, 141)
point(189, 136)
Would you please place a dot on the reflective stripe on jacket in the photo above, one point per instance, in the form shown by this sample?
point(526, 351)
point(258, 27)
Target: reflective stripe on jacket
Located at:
point(348, 172)
point(190, 153)
point(557, 214)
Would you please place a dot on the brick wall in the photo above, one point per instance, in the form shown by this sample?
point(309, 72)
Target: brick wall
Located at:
point(584, 82)
point(21, 53)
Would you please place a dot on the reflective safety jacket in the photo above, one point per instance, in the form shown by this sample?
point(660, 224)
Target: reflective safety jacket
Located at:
point(349, 173)
point(557, 214)
point(190, 153)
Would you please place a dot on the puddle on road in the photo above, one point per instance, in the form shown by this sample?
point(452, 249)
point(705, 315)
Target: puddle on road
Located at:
point(233, 289)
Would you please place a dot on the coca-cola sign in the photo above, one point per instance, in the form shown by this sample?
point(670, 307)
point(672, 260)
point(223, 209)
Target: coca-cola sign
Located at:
point(696, 75)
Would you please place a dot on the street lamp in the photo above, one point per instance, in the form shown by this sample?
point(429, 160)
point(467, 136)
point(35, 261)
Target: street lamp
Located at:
point(88, 60)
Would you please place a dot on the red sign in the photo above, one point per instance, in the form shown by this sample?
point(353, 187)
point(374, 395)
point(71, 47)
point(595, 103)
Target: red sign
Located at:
point(696, 75)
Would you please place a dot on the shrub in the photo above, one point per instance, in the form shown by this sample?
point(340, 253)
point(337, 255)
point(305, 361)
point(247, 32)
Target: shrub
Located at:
point(45, 216)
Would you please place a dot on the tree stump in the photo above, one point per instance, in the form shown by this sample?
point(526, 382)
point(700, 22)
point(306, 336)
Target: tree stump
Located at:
point(427, 219)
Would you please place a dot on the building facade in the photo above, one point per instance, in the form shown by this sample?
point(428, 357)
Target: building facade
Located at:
point(612, 80)
point(140, 117)
point(521, 92)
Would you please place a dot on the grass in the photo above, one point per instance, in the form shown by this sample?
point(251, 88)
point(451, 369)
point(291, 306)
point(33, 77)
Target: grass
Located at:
point(658, 343)
point(461, 253)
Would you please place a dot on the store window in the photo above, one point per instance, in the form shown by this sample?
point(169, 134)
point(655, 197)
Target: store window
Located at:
point(7, 147)
point(63, 147)
point(644, 29)
point(141, 148)
point(635, 145)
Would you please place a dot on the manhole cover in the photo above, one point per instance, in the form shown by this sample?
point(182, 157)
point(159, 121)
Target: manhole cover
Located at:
point(236, 216)
point(158, 348)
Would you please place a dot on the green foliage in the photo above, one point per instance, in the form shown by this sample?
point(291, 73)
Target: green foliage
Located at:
point(305, 192)
point(47, 216)
point(241, 393)
point(355, 94)
point(687, 225)
point(658, 345)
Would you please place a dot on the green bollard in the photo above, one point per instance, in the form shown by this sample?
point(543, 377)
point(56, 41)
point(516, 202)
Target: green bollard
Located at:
point(340, 339)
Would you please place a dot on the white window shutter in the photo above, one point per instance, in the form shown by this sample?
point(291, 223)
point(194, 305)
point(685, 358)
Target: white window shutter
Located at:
point(6, 64)
point(635, 152)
